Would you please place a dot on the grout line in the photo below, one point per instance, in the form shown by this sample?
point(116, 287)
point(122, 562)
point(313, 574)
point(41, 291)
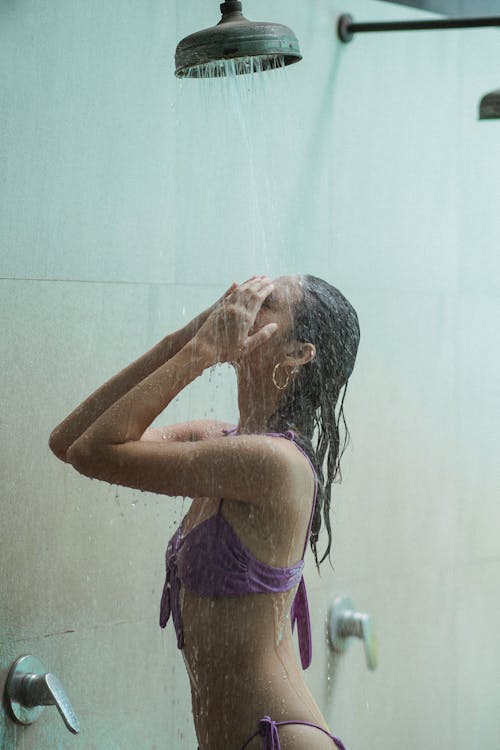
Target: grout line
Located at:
point(88, 628)
point(132, 283)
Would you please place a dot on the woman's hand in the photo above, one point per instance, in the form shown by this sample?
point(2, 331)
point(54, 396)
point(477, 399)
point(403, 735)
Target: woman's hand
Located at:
point(225, 333)
point(198, 321)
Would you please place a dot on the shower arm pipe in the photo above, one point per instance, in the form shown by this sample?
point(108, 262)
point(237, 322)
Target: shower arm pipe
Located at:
point(347, 27)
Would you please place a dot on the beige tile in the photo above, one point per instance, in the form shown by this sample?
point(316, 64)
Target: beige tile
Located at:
point(89, 178)
point(400, 472)
point(478, 407)
point(477, 661)
point(414, 621)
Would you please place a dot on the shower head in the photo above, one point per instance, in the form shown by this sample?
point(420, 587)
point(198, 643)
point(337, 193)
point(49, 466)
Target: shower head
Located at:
point(250, 47)
point(489, 107)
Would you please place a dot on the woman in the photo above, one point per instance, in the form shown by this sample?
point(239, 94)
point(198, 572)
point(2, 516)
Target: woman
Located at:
point(258, 492)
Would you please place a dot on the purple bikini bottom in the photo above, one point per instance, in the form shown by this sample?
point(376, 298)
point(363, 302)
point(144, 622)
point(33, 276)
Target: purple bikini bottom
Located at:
point(268, 730)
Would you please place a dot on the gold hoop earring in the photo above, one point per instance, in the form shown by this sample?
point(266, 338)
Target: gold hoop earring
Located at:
point(280, 387)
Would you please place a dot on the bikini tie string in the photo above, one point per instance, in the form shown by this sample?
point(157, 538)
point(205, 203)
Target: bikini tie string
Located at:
point(299, 614)
point(269, 730)
point(170, 599)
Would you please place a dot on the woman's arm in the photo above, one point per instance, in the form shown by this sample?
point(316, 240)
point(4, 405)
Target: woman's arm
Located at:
point(71, 428)
point(192, 431)
point(254, 469)
point(222, 336)
point(111, 449)
point(127, 419)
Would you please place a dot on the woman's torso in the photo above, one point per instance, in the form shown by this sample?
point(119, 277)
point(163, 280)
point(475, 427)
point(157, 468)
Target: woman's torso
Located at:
point(238, 650)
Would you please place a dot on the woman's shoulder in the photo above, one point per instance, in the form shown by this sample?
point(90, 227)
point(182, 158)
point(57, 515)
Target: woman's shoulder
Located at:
point(255, 468)
point(280, 462)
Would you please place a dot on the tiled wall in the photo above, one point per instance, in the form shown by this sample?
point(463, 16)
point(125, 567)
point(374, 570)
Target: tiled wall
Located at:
point(130, 201)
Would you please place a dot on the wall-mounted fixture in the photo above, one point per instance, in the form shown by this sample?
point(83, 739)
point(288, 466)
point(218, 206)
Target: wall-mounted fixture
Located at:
point(347, 27)
point(30, 687)
point(236, 46)
point(489, 107)
point(452, 7)
point(345, 623)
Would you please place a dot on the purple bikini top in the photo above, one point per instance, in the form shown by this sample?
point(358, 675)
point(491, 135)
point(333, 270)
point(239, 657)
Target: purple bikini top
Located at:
point(210, 560)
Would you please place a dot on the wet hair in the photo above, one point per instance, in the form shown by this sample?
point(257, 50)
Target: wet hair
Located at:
point(325, 318)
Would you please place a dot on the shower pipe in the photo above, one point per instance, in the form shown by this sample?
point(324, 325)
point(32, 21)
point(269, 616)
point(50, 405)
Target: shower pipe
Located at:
point(489, 106)
point(347, 27)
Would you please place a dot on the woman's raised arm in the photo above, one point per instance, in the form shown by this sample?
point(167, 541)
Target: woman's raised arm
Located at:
point(113, 441)
point(80, 419)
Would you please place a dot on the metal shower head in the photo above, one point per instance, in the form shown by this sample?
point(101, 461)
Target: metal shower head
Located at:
point(250, 46)
point(489, 107)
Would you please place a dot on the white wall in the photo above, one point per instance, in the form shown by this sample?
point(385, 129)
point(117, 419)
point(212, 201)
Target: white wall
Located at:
point(130, 200)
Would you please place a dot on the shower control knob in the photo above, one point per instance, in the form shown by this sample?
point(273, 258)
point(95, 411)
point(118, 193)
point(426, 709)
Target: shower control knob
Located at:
point(29, 688)
point(344, 623)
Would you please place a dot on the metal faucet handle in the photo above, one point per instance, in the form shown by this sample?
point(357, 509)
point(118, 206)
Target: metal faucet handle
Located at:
point(29, 688)
point(344, 622)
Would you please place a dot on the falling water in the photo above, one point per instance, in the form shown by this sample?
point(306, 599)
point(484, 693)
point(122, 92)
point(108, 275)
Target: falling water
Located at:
point(236, 66)
point(234, 132)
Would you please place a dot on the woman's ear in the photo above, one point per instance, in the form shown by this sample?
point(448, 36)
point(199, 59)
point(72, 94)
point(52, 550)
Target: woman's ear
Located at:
point(300, 354)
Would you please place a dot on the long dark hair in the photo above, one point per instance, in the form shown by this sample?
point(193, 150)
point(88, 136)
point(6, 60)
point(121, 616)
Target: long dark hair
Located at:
point(326, 319)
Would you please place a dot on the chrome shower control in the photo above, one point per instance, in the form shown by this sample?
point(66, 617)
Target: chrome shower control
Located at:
point(29, 688)
point(344, 622)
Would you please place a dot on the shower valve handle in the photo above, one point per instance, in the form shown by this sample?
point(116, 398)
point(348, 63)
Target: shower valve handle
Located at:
point(344, 623)
point(29, 688)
